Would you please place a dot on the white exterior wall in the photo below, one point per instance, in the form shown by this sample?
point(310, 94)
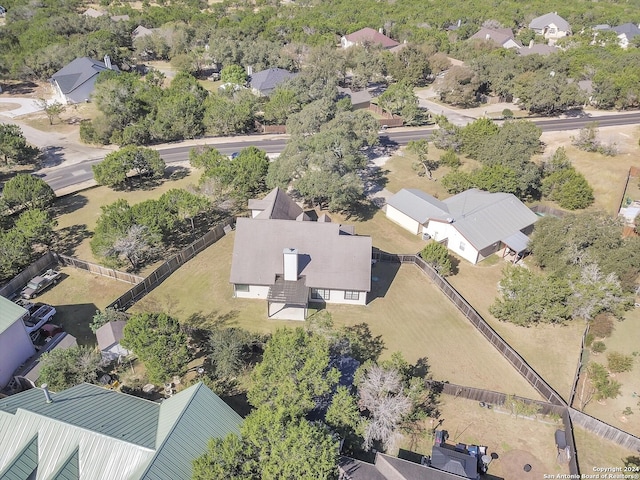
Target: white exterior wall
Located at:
point(337, 296)
point(346, 43)
point(255, 213)
point(255, 291)
point(15, 348)
point(440, 231)
point(403, 220)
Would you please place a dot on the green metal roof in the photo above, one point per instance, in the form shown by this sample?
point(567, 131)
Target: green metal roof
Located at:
point(25, 463)
point(187, 422)
point(9, 313)
point(70, 469)
point(123, 417)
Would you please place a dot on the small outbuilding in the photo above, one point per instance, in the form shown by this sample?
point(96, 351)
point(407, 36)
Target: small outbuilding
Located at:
point(109, 336)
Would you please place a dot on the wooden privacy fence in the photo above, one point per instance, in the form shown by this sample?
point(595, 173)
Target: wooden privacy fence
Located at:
point(604, 430)
point(513, 357)
point(98, 269)
point(574, 467)
point(129, 298)
point(48, 260)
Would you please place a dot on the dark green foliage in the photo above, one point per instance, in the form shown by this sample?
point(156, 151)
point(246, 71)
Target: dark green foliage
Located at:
point(437, 255)
point(114, 169)
point(15, 253)
point(27, 191)
point(225, 459)
point(14, 148)
point(64, 368)
point(363, 345)
point(547, 93)
point(604, 386)
point(159, 342)
point(528, 298)
point(233, 74)
point(229, 114)
point(568, 187)
point(282, 103)
point(399, 99)
point(450, 159)
point(598, 347)
point(102, 317)
point(36, 226)
point(476, 133)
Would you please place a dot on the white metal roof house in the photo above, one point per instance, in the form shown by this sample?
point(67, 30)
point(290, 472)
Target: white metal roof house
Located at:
point(15, 344)
point(109, 336)
point(74, 82)
point(551, 25)
point(280, 256)
point(88, 432)
point(474, 224)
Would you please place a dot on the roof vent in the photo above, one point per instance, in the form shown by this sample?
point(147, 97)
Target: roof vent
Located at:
point(450, 219)
point(47, 395)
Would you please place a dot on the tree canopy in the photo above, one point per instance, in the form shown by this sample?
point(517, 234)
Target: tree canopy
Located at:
point(64, 368)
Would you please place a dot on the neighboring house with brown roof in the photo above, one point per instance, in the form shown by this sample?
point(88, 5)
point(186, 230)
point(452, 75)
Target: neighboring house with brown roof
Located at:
point(109, 336)
point(367, 35)
point(551, 26)
point(282, 257)
point(359, 98)
point(502, 37)
point(474, 224)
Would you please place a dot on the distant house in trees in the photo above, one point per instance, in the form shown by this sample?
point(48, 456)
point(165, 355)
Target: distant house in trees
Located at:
point(474, 224)
point(93, 13)
point(74, 82)
point(282, 257)
point(551, 26)
point(625, 32)
point(502, 37)
point(368, 36)
point(359, 99)
point(141, 31)
point(263, 83)
point(109, 336)
point(537, 49)
point(15, 344)
point(90, 432)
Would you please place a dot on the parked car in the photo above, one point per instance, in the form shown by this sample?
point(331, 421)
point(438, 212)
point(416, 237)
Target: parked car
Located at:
point(39, 283)
point(39, 318)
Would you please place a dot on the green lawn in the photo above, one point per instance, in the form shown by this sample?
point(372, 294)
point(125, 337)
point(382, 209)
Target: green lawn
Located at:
point(405, 308)
point(552, 350)
point(77, 297)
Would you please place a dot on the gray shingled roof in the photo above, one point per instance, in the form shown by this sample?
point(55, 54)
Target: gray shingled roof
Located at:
point(452, 461)
point(372, 36)
point(276, 205)
point(9, 313)
point(630, 30)
point(110, 333)
point(543, 21)
point(266, 81)
point(498, 35)
point(418, 205)
point(327, 258)
point(354, 469)
point(77, 72)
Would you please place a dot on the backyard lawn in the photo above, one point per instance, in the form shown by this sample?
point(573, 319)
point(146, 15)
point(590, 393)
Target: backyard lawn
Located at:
point(552, 350)
point(516, 441)
point(405, 308)
point(594, 451)
point(70, 297)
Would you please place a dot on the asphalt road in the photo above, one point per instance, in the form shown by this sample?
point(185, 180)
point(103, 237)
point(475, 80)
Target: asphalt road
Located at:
point(66, 176)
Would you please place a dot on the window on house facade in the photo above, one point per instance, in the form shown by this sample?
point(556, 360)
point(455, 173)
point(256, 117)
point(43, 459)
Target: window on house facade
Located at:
point(241, 287)
point(320, 294)
point(462, 245)
point(351, 295)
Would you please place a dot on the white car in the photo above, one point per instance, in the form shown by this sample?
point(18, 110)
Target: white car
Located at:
point(38, 318)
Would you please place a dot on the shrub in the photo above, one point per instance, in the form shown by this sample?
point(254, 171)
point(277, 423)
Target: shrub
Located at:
point(450, 159)
point(618, 362)
point(437, 255)
point(598, 347)
point(627, 411)
point(588, 340)
point(601, 326)
point(507, 114)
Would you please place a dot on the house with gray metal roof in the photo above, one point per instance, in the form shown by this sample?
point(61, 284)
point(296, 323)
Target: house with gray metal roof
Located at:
point(265, 82)
point(387, 467)
point(282, 257)
point(88, 432)
point(74, 82)
point(551, 26)
point(474, 224)
point(15, 345)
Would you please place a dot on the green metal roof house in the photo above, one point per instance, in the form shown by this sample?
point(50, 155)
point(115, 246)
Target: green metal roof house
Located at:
point(88, 432)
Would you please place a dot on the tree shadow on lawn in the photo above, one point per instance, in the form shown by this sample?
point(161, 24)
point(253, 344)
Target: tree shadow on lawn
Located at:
point(69, 204)
point(75, 319)
point(176, 172)
point(382, 276)
point(69, 238)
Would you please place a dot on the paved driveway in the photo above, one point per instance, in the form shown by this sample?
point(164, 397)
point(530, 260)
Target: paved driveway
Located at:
point(26, 105)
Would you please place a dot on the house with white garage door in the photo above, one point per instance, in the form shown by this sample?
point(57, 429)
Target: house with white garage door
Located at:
point(473, 224)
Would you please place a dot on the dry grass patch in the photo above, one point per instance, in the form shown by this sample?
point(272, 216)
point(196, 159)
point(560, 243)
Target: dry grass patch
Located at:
point(606, 175)
point(624, 339)
point(516, 440)
point(552, 350)
point(594, 451)
point(77, 297)
point(78, 213)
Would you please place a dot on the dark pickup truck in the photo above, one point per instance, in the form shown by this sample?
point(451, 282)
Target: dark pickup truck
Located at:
point(39, 283)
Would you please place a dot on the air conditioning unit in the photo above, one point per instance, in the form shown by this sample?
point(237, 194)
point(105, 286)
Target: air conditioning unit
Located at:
point(426, 236)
